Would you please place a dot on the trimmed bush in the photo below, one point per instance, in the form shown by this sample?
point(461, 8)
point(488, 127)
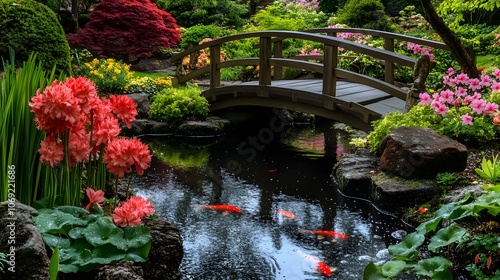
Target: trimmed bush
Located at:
point(28, 26)
point(127, 29)
point(180, 103)
point(364, 14)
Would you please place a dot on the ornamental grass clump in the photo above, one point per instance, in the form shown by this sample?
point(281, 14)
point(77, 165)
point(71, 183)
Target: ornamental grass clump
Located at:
point(81, 131)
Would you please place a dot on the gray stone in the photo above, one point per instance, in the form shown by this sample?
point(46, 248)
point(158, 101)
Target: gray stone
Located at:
point(415, 152)
point(457, 195)
point(121, 271)
point(166, 251)
point(143, 104)
point(30, 260)
point(146, 126)
point(213, 126)
point(352, 175)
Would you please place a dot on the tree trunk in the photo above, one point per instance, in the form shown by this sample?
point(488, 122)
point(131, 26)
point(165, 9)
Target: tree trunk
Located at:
point(74, 12)
point(451, 40)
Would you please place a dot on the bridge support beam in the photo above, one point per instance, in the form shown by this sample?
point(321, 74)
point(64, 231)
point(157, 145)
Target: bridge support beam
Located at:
point(329, 65)
point(214, 66)
point(264, 61)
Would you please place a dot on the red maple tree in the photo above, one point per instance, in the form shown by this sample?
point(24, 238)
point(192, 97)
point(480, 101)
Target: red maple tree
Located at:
point(127, 29)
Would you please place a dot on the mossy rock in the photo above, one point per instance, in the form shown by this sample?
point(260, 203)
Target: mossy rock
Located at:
point(28, 26)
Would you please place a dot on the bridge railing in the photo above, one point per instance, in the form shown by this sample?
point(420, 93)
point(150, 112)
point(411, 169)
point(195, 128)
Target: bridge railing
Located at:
point(270, 55)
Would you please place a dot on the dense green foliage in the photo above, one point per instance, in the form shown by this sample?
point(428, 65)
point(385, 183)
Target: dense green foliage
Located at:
point(88, 241)
point(204, 12)
point(179, 103)
point(458, 12)
point(28, 26)
point(193, 35)
point(364, 14)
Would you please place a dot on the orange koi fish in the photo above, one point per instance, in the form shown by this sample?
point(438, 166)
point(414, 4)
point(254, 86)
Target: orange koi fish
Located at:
point(224, 208)
point(321, 267)
point(326, 233)
point(286, 214)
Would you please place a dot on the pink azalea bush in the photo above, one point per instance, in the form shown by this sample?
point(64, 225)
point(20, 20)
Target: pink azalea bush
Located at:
point(468, 106)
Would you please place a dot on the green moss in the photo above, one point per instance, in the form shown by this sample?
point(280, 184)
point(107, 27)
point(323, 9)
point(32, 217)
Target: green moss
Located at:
point(29, 26)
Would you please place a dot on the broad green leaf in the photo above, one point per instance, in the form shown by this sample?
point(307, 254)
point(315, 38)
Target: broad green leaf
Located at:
point(393, 268)
point(451, 211)
point(407, 248)
point(54, 264)
point(75, 211)
point(433, 266)
point(136, 236)
point(372, 272)
point(428, 226)
point(56, 222)
point(55, 241)
point(102, 232)
point(492, 188)
point(445, 237)
point(489, 201)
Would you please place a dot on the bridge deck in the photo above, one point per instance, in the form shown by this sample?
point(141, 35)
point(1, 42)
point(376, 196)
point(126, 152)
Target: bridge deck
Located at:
point(373, 99)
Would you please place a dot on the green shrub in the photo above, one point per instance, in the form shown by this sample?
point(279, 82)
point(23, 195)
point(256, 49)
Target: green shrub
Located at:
point(179, 104)
point(109, 75)
point(364, 14)
point(476, 37)
point(28, 26)
point(193, 35)
point(204, 12)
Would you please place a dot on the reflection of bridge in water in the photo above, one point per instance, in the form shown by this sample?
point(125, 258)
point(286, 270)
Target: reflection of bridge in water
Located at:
point(341, 95)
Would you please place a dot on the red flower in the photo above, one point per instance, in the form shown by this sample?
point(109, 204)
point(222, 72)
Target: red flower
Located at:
point(83, 90)
point(51, 151)
point(95, 197)
point(132, 211)
point(105, 131)
point(122, 153)
point(56, 110)
point(124, 108)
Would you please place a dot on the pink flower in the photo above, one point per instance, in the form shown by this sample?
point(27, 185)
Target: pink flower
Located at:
point(451, 71)
point(468, 99)
point(105, 130)
point(478, 105)
point(447, 95)
point(497, 73)
point(466, 119)
point(131, 212)
point(460, 92)
point(490, 108)
point(83, 90)
point(474, 84)
point(496, 120)
point(424, 98)
point(462, 78)
point(447, 80)
point(56, 110)
point(95, 197)
point(495, 87)
point(51, 151)
point(442, 109)
point(79, 145)
point(124, 108)
point(485, 81)
point(121, 154)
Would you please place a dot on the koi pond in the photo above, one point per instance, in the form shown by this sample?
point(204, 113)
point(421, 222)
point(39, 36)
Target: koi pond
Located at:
point(279, 177)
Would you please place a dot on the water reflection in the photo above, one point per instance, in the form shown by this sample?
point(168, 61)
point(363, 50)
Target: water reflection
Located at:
point(292, 173)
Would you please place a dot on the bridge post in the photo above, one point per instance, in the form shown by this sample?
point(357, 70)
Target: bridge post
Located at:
point(278, 53)
point(264, 61)
point(330, 60)
point(214, 69)
point(389, 65)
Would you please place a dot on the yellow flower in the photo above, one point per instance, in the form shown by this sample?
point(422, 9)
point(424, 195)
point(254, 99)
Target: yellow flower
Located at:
point(117, 71)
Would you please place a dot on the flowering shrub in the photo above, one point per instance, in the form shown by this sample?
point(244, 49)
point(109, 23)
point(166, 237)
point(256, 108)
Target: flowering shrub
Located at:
point(203, 59)
point(311, 5)
point(108, 75)
point(147, 85)
point(81, 131)
point(102, 237)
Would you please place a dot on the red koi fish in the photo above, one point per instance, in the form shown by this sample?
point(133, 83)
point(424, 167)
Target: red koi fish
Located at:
point(326, 233)
point(321, 267)
point(286, 214)
point(224, 208)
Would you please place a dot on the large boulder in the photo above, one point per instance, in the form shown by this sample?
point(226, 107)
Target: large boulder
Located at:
point(166, 251)
point(415, 152)
point(22, 243)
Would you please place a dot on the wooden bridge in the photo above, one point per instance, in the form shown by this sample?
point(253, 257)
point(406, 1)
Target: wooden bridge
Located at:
point(340, 95)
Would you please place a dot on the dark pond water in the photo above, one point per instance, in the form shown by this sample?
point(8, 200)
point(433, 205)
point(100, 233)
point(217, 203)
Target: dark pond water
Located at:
point(262, 167)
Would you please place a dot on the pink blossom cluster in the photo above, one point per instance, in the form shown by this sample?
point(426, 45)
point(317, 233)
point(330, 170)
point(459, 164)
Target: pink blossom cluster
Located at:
point(355, 37)
point(132, 211)
point(305, 51)
point(460, 90)
point(416, 48)
point(72, 114)
point(309, 4)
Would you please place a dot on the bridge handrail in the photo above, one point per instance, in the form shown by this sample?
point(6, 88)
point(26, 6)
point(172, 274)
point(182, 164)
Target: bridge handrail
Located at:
point(266, 60)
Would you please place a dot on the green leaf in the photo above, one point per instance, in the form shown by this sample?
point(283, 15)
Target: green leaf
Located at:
point(137, 236)
point(394, 267)
point(492, 188)
point(406, 249)
point(54, 264)
point(428, 226)
point(56, 222)
point(103, 232)
point(445, 237)
point(433, 266)
point(373, 272)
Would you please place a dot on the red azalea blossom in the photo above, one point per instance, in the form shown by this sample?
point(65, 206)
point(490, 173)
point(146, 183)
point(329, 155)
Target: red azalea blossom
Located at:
point(132, 211)
point(95, 197)
point(122, 153)
point(84, 90)
point(51, 151)
point(124, 108)
point(56, 110)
